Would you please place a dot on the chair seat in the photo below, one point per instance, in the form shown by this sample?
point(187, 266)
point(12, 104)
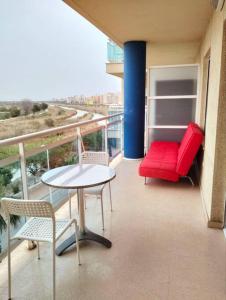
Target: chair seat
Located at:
point(95, 190)
point(41, 229)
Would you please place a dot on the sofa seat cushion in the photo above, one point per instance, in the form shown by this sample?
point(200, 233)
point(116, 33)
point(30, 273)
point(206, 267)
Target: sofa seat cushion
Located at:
point(161, 161)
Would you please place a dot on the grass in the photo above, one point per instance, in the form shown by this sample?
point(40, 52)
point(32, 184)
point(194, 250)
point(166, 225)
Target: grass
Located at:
point(33, 123)
point(26, 124)
point(12, 150)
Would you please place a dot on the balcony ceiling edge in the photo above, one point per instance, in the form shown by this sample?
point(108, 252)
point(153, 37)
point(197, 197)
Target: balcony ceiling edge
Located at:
point(151, 21)
point(92, 20)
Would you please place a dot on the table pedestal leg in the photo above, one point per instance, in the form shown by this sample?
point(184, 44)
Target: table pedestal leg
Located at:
point(83, 236)
point(84, 233)
point(80, 196)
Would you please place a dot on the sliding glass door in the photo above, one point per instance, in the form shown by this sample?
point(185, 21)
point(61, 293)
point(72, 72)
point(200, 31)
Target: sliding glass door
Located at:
point(171, 105)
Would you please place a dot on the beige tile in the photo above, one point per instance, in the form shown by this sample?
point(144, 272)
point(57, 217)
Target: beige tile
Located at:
point(161, 249)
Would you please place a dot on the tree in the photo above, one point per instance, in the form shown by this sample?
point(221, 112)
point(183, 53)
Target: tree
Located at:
point(43, 106)
point(93, 141)
point(37, 164)
point(36, 108)
point(5, 176)
point(62, 155)
point(5, 179)
point(14, 111)
point(26, 106)
point(49, 122)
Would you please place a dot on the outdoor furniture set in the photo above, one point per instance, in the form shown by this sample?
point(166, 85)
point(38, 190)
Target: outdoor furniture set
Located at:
point(165, 160)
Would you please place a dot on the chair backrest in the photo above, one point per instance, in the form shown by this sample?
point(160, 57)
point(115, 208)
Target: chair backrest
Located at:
point(188, 149)
point(95, 157)
point(28, 208)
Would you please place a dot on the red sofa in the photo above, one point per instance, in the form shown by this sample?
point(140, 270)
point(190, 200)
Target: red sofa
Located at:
point(172, 160)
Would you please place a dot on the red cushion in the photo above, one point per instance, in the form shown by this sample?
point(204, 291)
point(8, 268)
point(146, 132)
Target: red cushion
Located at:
point(188, 148)
point(161, 161)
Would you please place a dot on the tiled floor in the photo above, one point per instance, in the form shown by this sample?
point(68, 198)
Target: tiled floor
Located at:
point(162, 249)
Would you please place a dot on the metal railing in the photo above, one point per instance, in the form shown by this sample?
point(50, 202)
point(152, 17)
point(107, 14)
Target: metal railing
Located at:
point(24, 158)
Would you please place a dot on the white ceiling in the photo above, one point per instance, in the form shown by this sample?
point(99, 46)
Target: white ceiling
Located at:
point(148, 20)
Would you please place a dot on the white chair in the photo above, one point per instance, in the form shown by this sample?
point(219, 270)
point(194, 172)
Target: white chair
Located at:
point(101, 158)
point(41, 227)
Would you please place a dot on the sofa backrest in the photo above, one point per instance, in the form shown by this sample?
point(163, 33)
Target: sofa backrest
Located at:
point(188, 149)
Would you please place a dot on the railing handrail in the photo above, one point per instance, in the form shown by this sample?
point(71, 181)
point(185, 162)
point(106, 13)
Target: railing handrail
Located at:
point(26, 137)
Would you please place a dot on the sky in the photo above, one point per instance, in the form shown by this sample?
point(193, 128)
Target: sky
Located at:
point(47, 50)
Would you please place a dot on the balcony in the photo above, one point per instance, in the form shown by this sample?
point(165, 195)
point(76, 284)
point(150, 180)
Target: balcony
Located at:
point(114, 53)
point(162, 248)
point(115, 57)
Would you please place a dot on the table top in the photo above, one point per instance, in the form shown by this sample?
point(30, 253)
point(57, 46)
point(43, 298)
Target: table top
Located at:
point(78, 176)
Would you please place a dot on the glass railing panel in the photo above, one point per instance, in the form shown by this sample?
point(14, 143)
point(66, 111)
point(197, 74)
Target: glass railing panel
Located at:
point(115, 54)
point(10, 186)
point(115, 136)
point(66, 154)
point(36, 165)
point(94, 141)
point(114, 133)
point(49, 140)
point(7, 152)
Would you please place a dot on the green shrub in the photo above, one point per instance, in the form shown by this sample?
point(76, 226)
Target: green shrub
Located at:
point(49, 122)
point(15, 187)
point(14, 112)
point(36, 108)
point(4, 115)
point(43, 106)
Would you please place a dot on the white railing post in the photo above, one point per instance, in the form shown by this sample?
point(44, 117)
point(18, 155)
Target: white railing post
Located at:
point(47, 158)
point(106, 136)
point(121, 134)
point(79, 145)
point(23, 171)
point(31, 245)
point(48, 167)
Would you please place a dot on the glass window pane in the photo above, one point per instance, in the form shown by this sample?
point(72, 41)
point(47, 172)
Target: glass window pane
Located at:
point(172, 111)
point(163, 134)
point(172, 81)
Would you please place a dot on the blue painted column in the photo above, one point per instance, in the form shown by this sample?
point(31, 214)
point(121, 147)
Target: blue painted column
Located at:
point(134, 98)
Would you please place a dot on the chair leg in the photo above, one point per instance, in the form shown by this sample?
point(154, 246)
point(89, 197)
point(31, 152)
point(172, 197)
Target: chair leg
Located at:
point(190, 179)
point(145, 180)
point(38, 250)
point(102, 209)
point(110, 195)
point(69, 196)
point(77, 202)
point(77, 243)
point(9, 272)
point(54, 269)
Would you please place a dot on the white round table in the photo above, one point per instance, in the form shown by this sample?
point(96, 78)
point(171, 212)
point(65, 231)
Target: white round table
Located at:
point(79, 177)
